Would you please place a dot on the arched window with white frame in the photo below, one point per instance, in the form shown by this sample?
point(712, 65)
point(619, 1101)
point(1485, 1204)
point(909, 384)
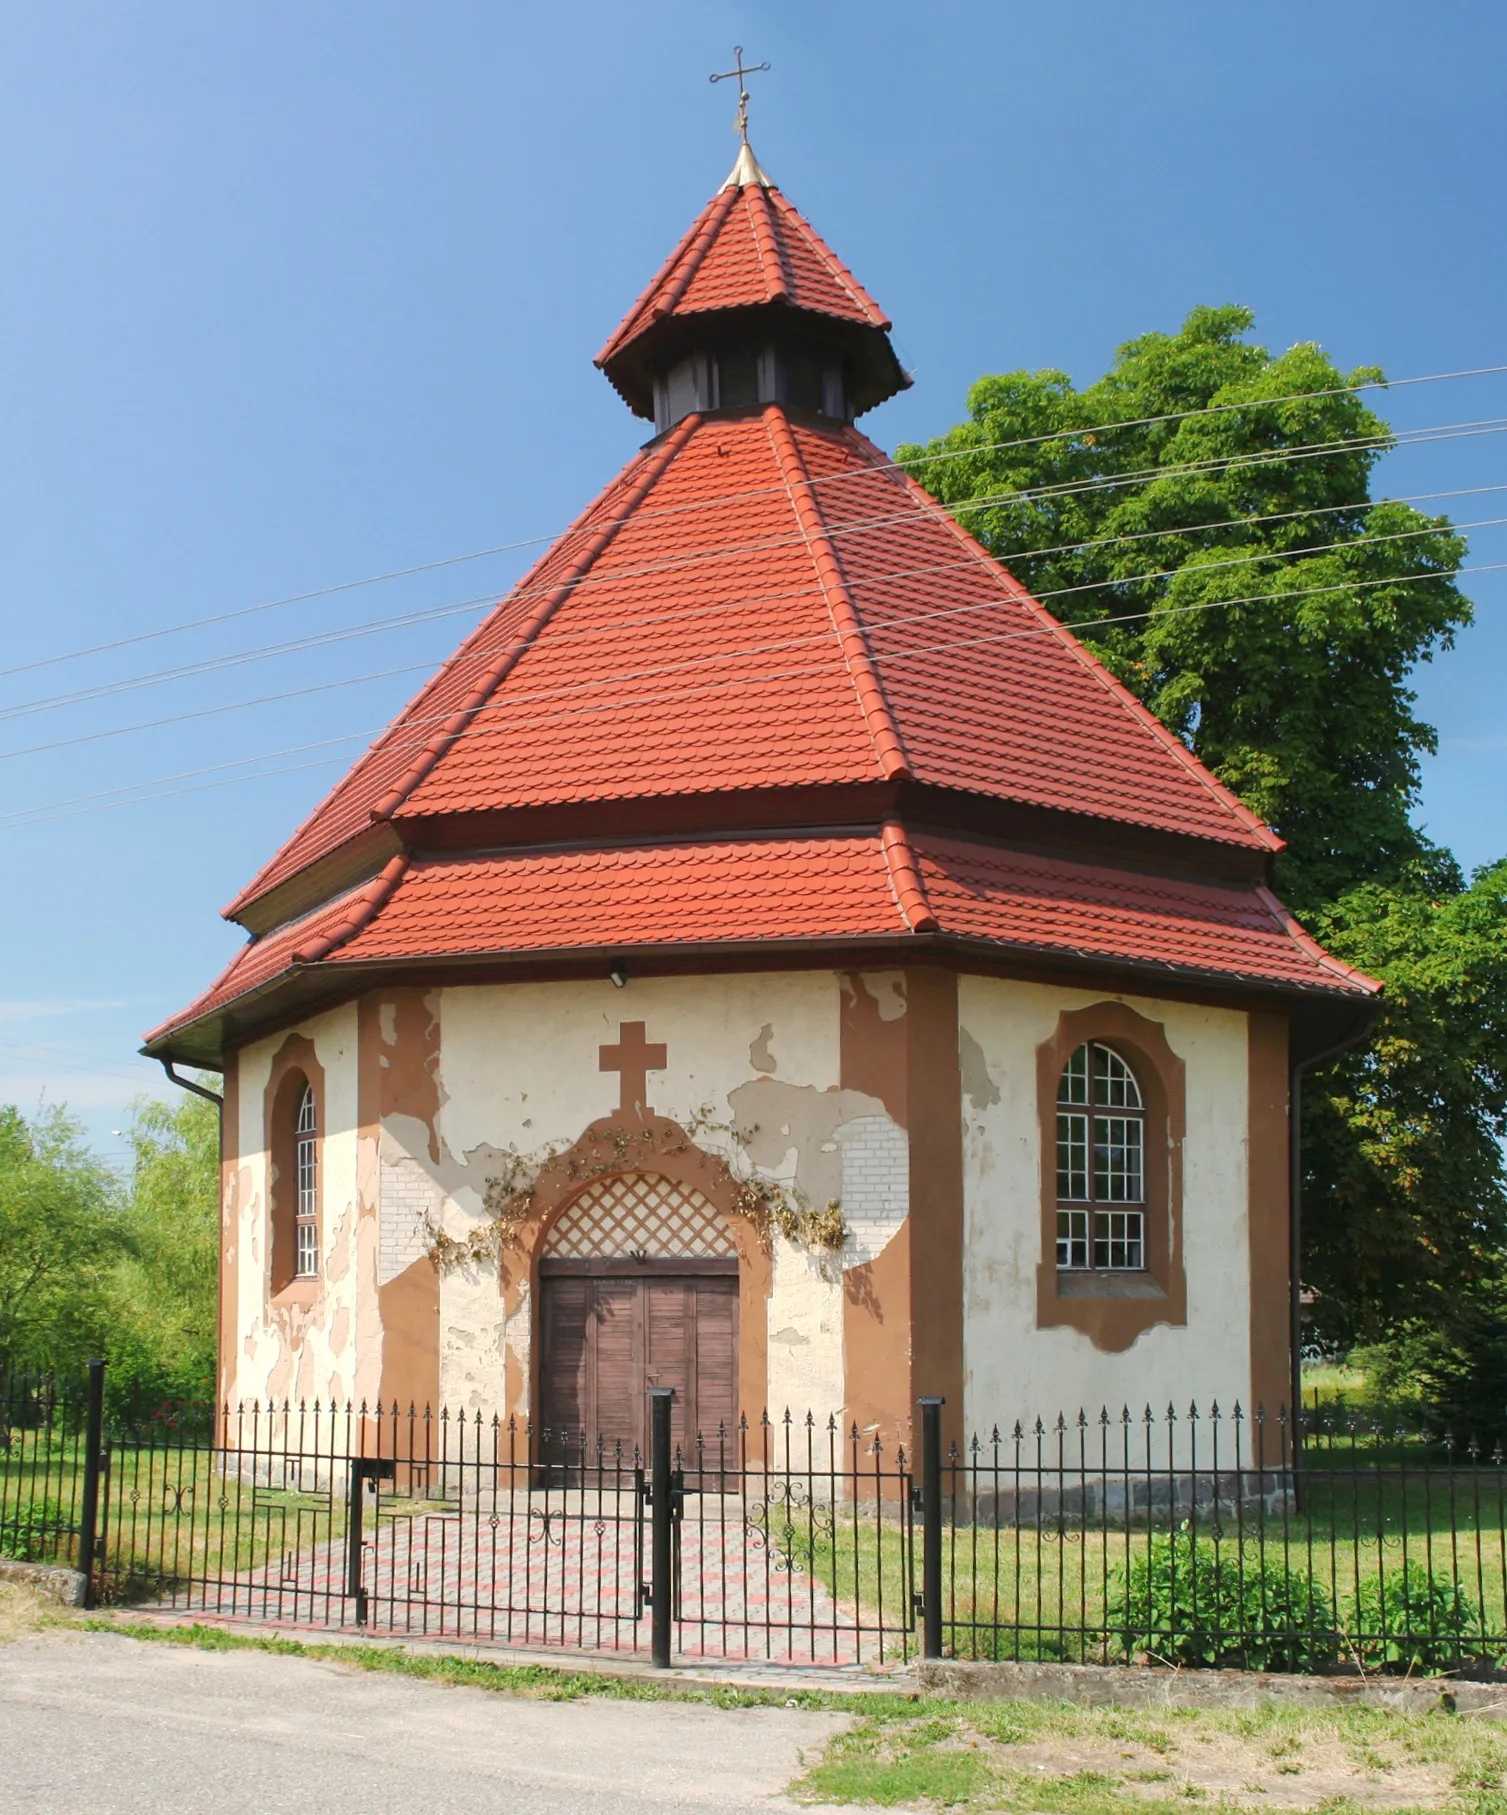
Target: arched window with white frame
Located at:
point(1101, 1164)
point(306, 1168)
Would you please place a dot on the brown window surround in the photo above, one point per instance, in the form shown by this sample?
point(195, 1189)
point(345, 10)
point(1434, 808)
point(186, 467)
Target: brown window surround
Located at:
point(294, 1069)
point(1113, 1308)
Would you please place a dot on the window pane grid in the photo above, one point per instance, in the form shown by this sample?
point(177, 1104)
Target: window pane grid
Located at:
point(1072, 1238)
point(1072, 1157)
point(1101, 1160)
point(1119, 1238)
point(306, 1165)
point(1118, 1173)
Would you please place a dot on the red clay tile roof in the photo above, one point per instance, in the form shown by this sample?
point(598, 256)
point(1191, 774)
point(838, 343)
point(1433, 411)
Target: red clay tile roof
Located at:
point(259, 962)
point(758, 602)
point(837, 887)
point(748, 246)
point(1050, 904)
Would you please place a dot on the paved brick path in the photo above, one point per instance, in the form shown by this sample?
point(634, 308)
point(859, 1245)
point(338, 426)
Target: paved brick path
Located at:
point(557, 1574)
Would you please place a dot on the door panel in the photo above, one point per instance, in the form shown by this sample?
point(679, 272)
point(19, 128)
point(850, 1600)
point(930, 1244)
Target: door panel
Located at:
point(669, 1306)
point(617, 1368)
point(607, 1340)
point(717, 1366)
point(565, 1383)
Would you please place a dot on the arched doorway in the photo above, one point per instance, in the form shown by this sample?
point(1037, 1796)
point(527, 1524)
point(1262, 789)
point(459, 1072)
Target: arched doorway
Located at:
point(638, 1281)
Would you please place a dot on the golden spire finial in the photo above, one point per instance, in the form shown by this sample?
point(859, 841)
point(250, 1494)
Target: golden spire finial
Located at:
point(743, 71)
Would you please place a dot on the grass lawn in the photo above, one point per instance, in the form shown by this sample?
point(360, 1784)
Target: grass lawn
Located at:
point(1054, 1759)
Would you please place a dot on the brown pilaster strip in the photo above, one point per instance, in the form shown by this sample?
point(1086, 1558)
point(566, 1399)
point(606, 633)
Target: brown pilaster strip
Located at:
point(1267, 1212)
point(936, 1190)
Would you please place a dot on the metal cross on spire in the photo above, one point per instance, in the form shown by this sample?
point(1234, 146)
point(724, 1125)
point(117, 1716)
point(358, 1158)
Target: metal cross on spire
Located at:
point(743, 71)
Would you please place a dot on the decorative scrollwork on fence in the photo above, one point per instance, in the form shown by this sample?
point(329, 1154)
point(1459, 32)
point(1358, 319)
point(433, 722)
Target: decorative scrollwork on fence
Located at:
point(788, 1524)
point(546, 1526)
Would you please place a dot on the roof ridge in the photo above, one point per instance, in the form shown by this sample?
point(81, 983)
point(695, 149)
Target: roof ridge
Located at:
point(690, 263)
point(436, 745)
point(521, 587)
point(905, 879)
point(660, 277)
point(836, 268)
point(1309, 946)
point(1134, 708)
point(767, 245)
point(365, 904)
point(882, 727)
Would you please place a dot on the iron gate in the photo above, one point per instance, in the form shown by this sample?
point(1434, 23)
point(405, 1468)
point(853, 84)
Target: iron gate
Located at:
point(789, 1541)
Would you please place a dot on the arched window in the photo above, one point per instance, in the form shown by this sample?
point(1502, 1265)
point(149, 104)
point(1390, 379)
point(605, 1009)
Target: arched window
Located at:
point(306, 1168)
point(1101, 1163)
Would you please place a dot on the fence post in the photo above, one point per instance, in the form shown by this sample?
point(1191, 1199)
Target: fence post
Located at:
point(353, 1583)
point(661, 1562)
point(94, 1444)
point(931, 1526)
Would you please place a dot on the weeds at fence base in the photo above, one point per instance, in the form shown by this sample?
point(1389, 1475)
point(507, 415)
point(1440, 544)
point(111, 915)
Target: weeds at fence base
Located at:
point(535, 1682)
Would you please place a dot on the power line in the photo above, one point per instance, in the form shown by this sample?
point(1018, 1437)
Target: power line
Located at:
point(522, 593)
point(1095, 430)
point(477, 655)
point(106, 801)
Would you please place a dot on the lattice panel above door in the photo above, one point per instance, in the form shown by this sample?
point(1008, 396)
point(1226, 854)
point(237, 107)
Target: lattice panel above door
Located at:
point(640, 1213)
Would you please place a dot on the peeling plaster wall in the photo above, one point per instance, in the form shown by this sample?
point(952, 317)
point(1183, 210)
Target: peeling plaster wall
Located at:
point(760, 1053)
point(1014, 1370)
point(319, 1349)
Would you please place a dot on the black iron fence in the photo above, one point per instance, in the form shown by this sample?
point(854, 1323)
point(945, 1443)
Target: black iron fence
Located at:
point(1194, 1537)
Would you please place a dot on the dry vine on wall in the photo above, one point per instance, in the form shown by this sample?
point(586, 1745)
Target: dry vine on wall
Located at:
point(772, 1208)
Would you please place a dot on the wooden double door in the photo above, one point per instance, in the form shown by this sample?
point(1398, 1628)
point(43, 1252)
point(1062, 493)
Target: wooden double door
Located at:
point(610, 1333)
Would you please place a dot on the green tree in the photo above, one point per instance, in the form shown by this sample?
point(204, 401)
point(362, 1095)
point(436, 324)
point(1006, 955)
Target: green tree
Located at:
point(61, 1237)
point(1202, 517)
point(162, 1343)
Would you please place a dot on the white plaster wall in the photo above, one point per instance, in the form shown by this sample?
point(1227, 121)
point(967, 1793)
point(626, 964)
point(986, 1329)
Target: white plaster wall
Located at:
point(327, 1350)
point(805, 1334)
point(1013, 1370)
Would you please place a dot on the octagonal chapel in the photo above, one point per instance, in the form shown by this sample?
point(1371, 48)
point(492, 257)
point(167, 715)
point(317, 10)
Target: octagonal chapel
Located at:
point(771, 958)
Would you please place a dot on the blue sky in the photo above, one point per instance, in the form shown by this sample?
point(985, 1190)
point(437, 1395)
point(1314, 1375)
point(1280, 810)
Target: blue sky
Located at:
point(294, 295)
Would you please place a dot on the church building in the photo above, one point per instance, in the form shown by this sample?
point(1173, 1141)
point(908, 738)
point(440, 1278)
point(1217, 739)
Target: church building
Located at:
point(771, 958)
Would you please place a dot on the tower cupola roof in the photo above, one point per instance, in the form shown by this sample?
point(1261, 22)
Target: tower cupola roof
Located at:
point(752, 267)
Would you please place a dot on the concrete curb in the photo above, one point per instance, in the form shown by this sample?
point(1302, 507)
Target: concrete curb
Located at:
point(788, 1679)
point(52, 1579)
point(1120, 1686)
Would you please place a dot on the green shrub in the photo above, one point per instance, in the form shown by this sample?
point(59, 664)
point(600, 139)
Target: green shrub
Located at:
point(1193, 1601)
point(34, 1531)
point(1410, 1620)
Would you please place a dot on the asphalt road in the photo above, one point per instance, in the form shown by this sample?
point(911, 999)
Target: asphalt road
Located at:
point(95, 1724)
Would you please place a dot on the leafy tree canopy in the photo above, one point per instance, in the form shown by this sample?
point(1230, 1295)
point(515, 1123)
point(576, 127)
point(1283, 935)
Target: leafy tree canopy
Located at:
point(91, 1264)
point(162, 1343)
point(60, 1238)
point(1231, 567)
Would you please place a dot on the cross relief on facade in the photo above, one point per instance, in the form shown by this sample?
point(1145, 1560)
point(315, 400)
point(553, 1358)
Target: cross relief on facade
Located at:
point(633, 1058)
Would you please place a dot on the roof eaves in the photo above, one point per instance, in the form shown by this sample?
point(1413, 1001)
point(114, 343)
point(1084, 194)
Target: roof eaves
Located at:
point(836, 269)
point(365, 905)
point(1310, 947)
